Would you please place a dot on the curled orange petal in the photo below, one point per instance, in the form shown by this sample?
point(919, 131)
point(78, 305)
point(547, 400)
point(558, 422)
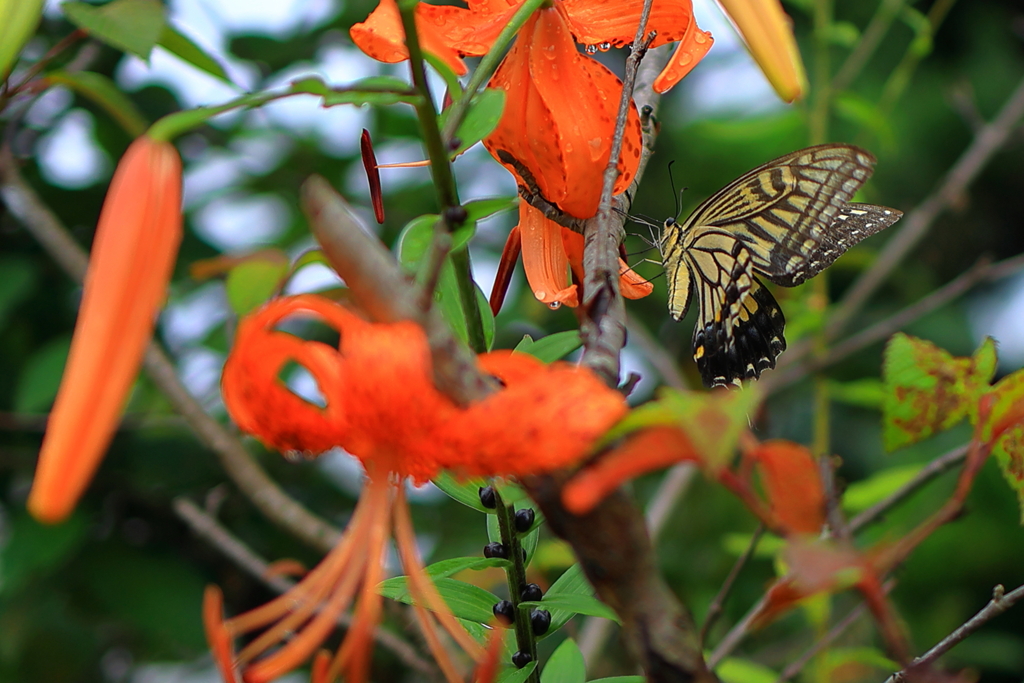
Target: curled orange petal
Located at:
point(793, 485)
point(544, 258)
point(132, 258)
point(692, 47)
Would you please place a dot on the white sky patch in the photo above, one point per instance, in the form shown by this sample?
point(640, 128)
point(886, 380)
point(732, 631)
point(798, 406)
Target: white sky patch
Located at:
point(391, 179)
point(199, 369)
point(69, 155)
point(187, 321)
point(239, 222)
point(344, 470)
point(998, 314)
point(315, 277)
point(48, 107)
point(633, 360)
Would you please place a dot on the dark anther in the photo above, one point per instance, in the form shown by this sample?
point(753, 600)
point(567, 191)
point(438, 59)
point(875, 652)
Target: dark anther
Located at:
point(455, 215)
point(531, 592)
point(540, 621)
point(496, 550)
point(524, 519)
point(454, 143)
point(506, 613)
point(521, 659)
point(487, 498)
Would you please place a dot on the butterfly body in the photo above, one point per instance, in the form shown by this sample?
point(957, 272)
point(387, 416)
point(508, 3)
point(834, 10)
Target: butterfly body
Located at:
point(785, 221)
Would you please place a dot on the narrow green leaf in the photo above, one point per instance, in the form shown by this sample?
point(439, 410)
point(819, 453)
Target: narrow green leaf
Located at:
point(131, 25)
point(566, 665)
point(373, 90)
point(251, 283)
point(34, 549)
point(105, 93)
point(587, 605)
point(863, 393)
point(40, 378)
point(310, 257)
point(927, 390)
point(180, 45)
point(860, 495)
point(465, 600)
point(482, 118)
point(18, 20)
point(462, 235)
point(414, 241)
point(465, 492)
point(451, 79)
point(552, 347)
point(172, 125)
point(479, 209)
point(450, 567)
point(733, 670)
point(620, 679)
point(530, 540)
point(517, 675)
point(571, 582)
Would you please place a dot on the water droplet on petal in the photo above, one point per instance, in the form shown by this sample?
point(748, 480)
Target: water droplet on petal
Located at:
point(604, 47)
point(685, 58)
point(540, 295)
point(700, 38)
point(590, 49)
point(555, 305)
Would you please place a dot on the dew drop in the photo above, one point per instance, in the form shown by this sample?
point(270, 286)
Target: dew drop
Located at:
point(555, 305)
point(700, 38)
point(590, 49)
point(294, 456)
point(540, 295)
point(604, 47)
point(685, 58)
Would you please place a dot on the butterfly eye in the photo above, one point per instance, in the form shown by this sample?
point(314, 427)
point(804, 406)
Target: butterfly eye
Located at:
point(669, 222)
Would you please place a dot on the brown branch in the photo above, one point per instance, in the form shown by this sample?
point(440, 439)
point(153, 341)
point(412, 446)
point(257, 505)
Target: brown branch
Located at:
point(210, 530)
point(715, 609)
point(252, 480)
point(1000, 602)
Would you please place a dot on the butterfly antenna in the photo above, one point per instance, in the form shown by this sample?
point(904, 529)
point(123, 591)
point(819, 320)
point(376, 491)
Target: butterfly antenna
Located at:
point(678, 195)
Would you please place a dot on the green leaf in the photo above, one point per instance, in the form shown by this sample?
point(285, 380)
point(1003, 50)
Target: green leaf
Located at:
point(733, 670)
point(462, 235)
point(451, 79)
point(466, 492)
point(450, 567)
point(566, 665)
point(620, 679)
point(251, 283)
point(929, 391)
point(18, 21)
point(864, 113)
point(836, 657)
point(34, 549)
point(767, 548)
point(843, 33)
point(172, 125)
point(414, 240)
point(860, 495)
point(450, 303)
point(481, 119)
point(571, 582)
point(40, 378)
point(131, 25)
point(310, 257)
point(552, 347)
point(530, 540)
point(465, 600)
point(18, 277)
point(105, 93)
point(574, 603)
point(712, 421)
point(479, 209)
point(863, 393)
point(1003, 430)
point(517, 675)
point(180, 45)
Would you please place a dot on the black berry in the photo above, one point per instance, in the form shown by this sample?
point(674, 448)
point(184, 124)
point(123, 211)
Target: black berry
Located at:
point(540, 621)
point(487, 498)
point(524, 519)
point(530, 593)
point(521, 659)
point(496, 550)
point(505, 612)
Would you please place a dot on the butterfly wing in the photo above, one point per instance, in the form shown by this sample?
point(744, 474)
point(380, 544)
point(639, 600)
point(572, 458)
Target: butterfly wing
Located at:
point(739, 330)
point(793, 213)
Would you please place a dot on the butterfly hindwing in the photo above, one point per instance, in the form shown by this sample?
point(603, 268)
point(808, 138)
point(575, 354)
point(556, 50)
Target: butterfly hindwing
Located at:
point(786, 221)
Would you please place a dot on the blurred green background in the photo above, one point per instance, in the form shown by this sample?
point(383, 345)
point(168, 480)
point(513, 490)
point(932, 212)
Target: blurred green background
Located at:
point(114, 594)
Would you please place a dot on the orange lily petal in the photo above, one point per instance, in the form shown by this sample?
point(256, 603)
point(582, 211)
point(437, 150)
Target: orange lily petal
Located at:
point(793, 486)
point(382, 37)
point(217, 634)
point(768, 33)
point(546, 417)
point(132, 258)
point(614, 23)
point(692, 47)
point(644, 451)
point(544, 258)
point(559, 117)
point(632, 285)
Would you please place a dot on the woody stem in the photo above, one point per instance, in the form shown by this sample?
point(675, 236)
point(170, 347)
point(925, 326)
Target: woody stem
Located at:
point(516, 577)
point(452, 214)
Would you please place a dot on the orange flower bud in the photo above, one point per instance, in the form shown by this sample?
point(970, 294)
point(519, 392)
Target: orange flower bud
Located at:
point(133, 255)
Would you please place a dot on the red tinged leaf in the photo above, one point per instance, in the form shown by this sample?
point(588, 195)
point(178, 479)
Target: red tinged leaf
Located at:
point(372, 175)
point(1002, 429)
point(927, 390)
point(643, 451)
point(793, 486)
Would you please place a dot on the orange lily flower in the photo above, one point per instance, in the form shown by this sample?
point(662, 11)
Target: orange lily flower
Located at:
point(382, 407)
point(132, 259)
point(768, 34)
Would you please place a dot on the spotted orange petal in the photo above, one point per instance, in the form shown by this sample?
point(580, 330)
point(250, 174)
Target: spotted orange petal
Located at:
point(614, 23)
point(544, 258)
point(382, 37)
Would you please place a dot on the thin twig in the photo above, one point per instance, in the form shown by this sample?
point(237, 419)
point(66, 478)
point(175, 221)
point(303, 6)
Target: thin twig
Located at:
point(983, 271)
point(239, 464)
point(715, 609)
point(868, 43)
point(797, 665)
point(210, 530)
point(1000, 602)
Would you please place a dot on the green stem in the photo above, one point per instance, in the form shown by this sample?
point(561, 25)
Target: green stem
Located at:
point(444, 178)
point(488, 65)
point(868, 43)
point(516, 577)
point(900, 76)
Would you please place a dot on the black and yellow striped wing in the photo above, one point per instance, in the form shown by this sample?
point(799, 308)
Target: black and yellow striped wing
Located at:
point(786, 220)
